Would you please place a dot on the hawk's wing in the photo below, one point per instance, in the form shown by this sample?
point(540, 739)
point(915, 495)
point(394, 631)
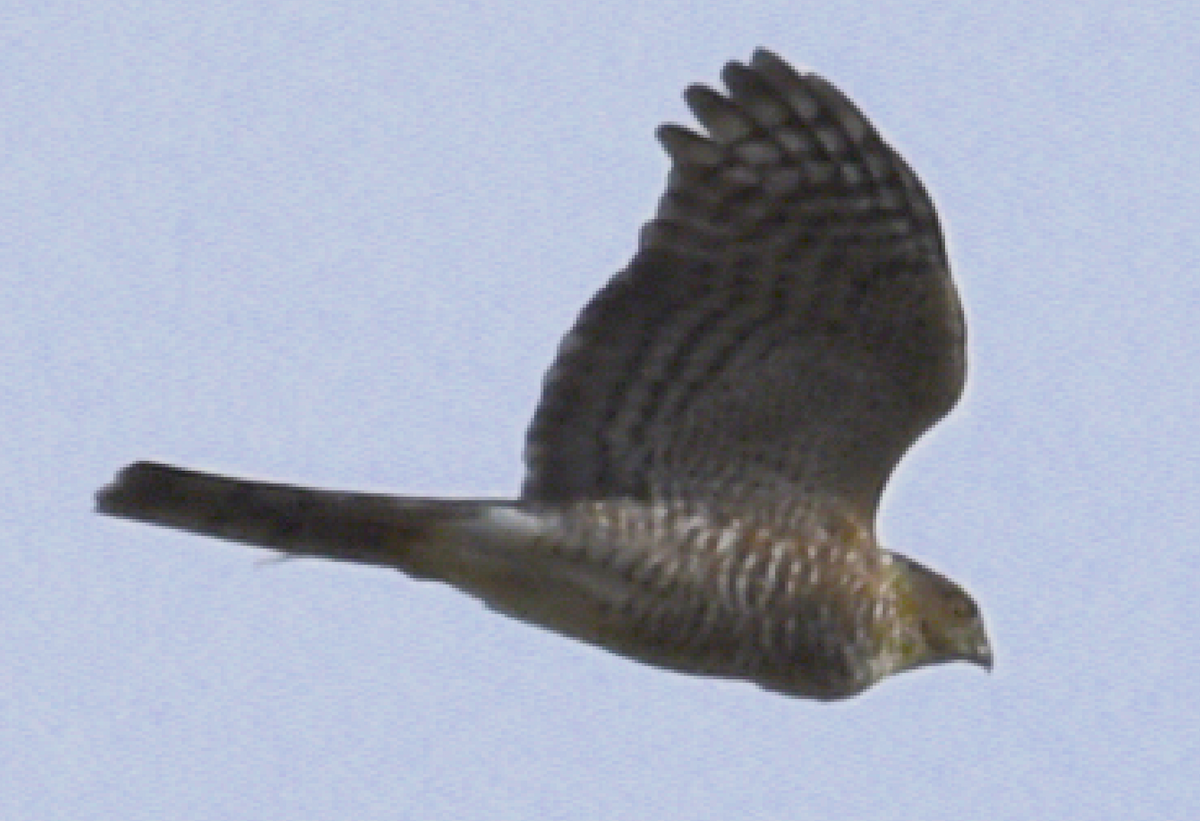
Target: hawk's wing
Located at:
point(787, 328)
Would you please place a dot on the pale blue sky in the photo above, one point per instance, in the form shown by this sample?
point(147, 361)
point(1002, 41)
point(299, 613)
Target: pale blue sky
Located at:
point(338, 245)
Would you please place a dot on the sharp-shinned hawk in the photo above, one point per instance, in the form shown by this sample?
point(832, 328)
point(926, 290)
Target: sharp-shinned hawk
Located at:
point(712, 441)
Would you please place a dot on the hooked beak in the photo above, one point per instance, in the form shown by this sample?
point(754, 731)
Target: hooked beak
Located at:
point(982, 656)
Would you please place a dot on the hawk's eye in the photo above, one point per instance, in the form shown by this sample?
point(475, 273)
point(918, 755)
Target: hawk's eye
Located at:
point(961, 606)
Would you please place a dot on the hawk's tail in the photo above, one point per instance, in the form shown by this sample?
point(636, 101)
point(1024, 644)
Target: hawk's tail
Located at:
point(417, 536)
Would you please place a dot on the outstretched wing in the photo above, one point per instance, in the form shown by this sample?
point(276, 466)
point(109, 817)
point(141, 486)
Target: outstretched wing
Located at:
point(787, 328)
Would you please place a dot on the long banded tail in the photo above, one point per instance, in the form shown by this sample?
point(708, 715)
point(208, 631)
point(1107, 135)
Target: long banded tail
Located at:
point(413, 535)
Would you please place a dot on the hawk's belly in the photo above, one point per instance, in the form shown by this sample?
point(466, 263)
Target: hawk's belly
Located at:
point(677, 587)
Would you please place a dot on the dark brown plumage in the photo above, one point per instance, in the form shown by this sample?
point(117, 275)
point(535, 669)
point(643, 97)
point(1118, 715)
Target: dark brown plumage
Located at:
point(714, 436)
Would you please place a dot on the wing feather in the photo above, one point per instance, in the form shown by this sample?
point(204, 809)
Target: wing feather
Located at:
point(787, 328)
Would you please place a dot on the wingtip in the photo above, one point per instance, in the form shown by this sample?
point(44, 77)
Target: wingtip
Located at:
point(763, 55)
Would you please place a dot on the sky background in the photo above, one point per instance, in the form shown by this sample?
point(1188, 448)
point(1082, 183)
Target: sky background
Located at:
point(338, 244)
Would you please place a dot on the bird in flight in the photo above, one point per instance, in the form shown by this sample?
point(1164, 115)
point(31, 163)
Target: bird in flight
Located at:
point(705, 465)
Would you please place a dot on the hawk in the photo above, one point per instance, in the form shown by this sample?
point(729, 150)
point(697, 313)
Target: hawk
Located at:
point(712, 441)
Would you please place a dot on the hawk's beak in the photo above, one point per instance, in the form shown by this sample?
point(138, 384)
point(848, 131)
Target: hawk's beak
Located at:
point(983, 656)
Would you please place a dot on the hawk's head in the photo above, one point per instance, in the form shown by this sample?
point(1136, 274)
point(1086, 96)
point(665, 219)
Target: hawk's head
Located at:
point(943, 619)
